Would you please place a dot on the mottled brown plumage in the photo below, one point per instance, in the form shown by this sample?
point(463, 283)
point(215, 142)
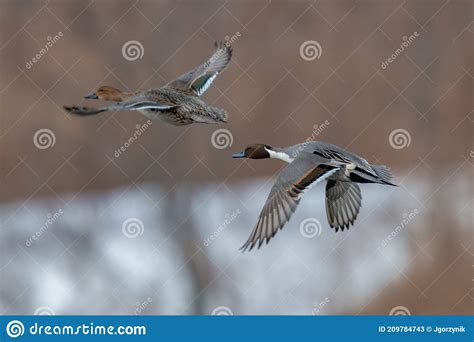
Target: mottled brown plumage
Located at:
point(176, 103)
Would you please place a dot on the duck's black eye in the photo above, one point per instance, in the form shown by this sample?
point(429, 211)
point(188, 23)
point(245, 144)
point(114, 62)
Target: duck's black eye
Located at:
point(154, 110)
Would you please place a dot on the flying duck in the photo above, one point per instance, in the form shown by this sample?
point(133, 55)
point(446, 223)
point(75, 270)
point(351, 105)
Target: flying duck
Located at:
point(310, 163)
point(176, 103)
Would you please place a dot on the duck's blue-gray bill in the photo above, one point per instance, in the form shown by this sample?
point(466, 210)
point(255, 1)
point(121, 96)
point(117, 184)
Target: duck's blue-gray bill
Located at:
point(239, 155)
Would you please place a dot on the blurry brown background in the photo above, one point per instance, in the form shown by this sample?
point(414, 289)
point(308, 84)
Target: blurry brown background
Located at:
point(179, 188)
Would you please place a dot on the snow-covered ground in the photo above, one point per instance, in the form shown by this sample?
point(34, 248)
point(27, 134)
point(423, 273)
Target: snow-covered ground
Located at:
point(88, 259)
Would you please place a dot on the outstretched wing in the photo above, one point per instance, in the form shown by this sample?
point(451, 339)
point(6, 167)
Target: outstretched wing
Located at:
point(198, 80)
point(343, 201)
point(285, 196)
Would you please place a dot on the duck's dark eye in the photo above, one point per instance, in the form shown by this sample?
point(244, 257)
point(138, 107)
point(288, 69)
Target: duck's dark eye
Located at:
point(154, 110)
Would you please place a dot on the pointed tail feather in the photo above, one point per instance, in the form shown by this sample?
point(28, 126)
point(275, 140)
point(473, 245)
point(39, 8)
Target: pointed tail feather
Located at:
point(84, 110)
point(384, 173)
point(221, 114)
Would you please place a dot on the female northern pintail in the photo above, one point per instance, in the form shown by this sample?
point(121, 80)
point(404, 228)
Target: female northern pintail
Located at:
point(177, 102)
point(310, 163)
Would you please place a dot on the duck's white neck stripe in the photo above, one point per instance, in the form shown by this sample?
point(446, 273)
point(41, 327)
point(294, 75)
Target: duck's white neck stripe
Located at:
point(280, 155)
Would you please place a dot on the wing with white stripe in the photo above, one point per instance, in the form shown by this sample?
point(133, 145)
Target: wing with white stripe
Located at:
point(198, 80)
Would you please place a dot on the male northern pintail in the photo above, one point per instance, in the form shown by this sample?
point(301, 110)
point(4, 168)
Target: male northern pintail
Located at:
point(310, 163)
point(177, 102)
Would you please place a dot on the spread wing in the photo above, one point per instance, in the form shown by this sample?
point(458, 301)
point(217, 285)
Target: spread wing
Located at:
point(285, 196)
point(343, 201)
point(198, 80)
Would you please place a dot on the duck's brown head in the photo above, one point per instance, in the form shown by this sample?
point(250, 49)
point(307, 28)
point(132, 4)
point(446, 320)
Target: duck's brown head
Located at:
point(254, 151)
point(106, 93)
